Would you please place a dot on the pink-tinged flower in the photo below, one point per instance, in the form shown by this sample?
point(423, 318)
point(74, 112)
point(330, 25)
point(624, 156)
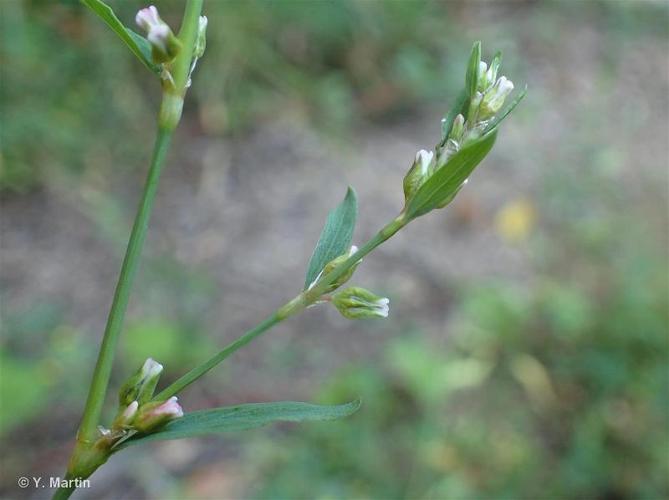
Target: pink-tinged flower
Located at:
point(170, 407)
point(153, 415)
point(165, 45)
point(149, 20)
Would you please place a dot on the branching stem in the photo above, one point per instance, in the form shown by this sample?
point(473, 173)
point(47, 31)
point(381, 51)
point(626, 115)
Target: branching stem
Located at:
point(292, 307)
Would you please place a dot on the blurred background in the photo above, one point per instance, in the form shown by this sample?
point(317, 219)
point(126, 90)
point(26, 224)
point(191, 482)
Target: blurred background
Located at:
point(526, 351)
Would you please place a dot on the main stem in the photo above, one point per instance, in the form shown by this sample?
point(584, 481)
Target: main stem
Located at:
point(170, 113)
point(98, 389)
point(292, 307)
point(91, 450)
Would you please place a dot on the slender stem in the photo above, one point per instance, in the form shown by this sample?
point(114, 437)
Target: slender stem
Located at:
point(89, 452)
point(187, 35)
point(290, 308)
point(383, 235)
point(64, 492)
point(102, 373)
point(200, 370)
point(98, 388)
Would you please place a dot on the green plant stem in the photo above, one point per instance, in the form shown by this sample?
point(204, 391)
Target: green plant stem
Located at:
point(187, 35)
point(292, 307)
point(200, 370)
point(90, 449)
point(64, 492)
point(96, 394)
point(86, 457)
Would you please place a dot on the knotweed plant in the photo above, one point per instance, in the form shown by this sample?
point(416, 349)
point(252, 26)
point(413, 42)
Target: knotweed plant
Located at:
point(433, 179)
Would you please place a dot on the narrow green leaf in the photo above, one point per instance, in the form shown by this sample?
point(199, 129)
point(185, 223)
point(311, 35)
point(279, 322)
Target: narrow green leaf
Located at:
point(505, 112)
point(237, 418)
point(447, 180)
point(459, 107)
point(472, 76)
point(336, 236)
point(139, 45)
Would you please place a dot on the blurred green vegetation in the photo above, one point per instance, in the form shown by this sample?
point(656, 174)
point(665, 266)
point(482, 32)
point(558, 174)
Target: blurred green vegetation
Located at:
point(549, 386)
point(332, 63)
point(554, 389)
point(518, 407)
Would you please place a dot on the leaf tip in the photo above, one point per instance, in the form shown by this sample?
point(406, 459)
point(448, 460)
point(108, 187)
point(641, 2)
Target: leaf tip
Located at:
point(351, 194)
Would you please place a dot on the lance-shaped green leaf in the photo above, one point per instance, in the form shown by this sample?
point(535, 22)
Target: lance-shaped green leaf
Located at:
point(336, 236)
point(505, 112)
point(138, 45)
point(237, 418)
point(473, 69)
point(447, 179)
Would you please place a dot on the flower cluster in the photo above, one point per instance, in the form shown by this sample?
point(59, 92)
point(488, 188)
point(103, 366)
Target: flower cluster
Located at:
point(485, 96)
point(353, 302)
point(485, 101)
point(136, 410)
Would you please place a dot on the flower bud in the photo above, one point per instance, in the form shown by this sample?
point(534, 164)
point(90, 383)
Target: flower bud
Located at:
point(359, 303)
point(141, 385)
point(330, 266)
point(457, 129)
point(153, 415)
point(474, 104)
point(494, 98)
point(164, 45)
point(126, 416)
point(491, 74)
point(482, 82)
point(418, 173)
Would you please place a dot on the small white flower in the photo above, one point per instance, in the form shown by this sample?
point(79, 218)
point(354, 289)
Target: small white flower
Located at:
point(157, 31)
point(382, 307)
point(424, 158)
point(151, 368)
point(130, 411)
point(494, 98)
point(148, 17)
point(458, 128)
point(504, 86)
point(125, 418)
